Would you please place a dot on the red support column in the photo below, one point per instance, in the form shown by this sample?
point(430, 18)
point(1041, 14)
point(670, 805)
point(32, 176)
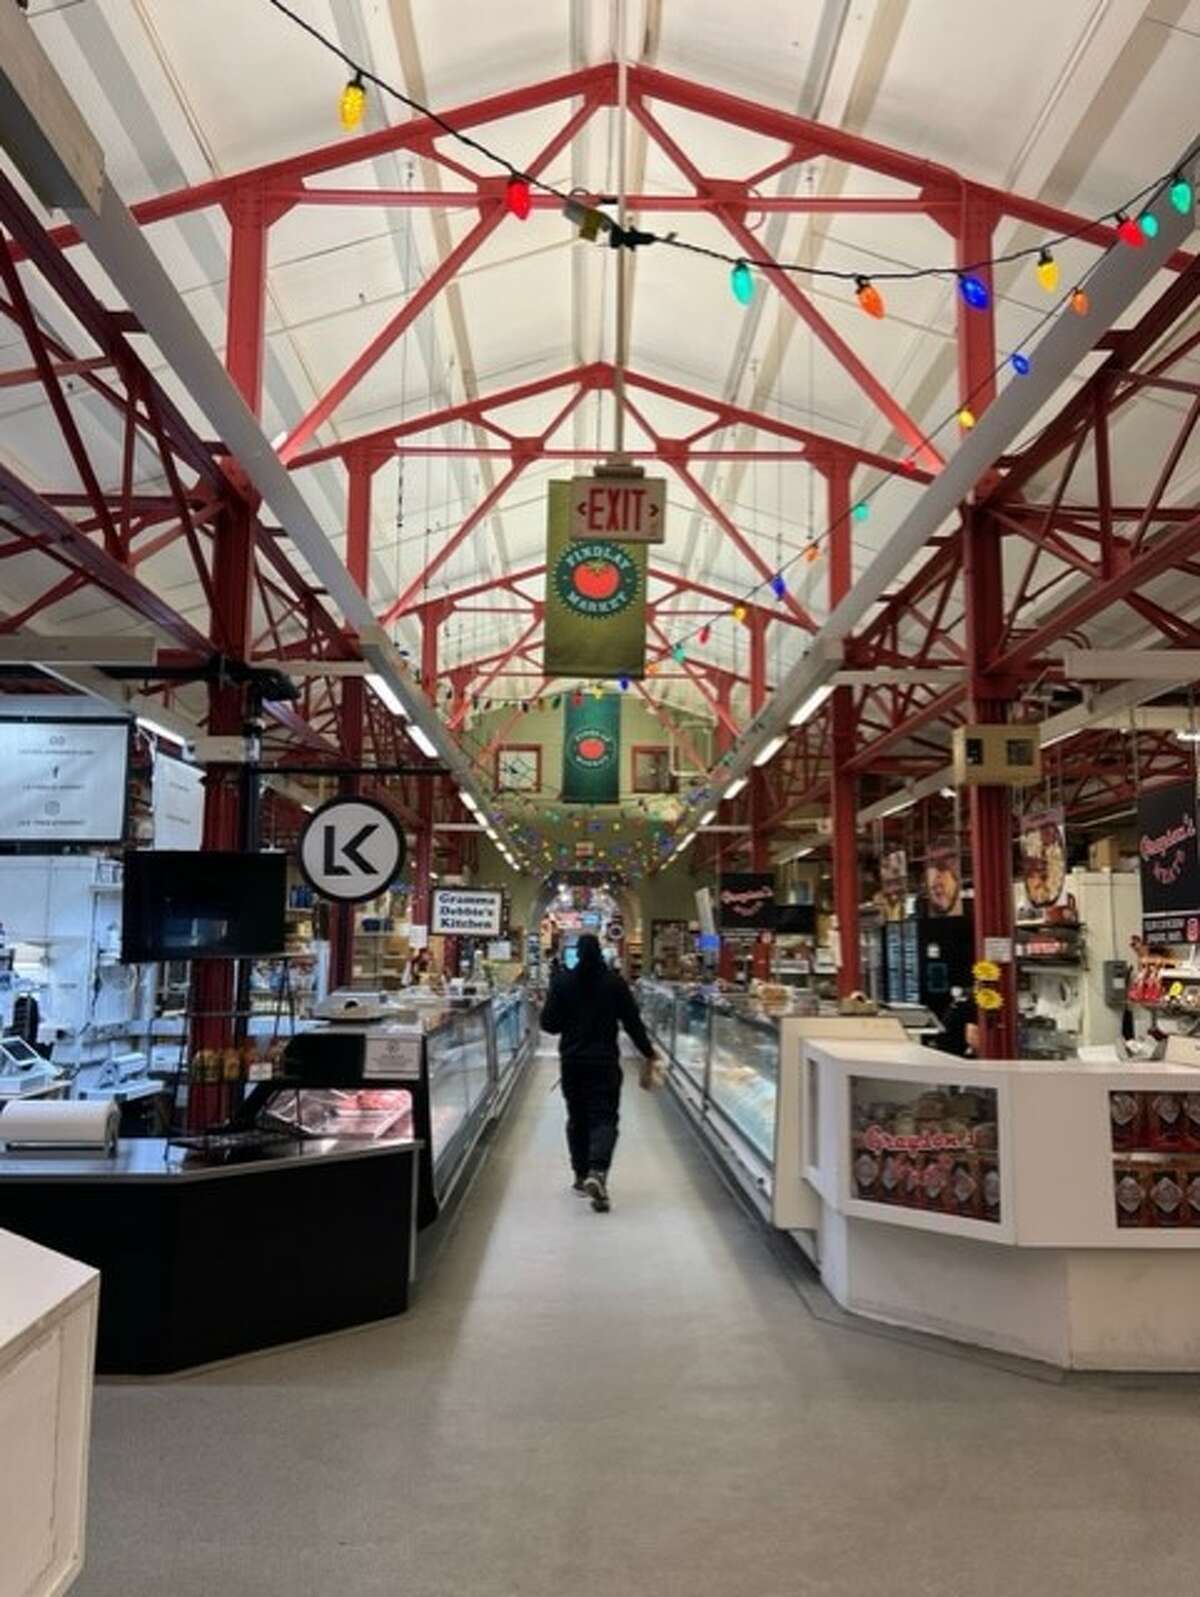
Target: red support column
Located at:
point(843, 784)
point(233, 607)
point(976, 329)
point(361, 465)
point(421, 911)
point(760, 805)
point(990, 807)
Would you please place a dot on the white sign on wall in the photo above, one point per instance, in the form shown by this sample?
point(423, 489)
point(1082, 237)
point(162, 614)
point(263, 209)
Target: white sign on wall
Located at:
point(63, 781)
point(467, 912)
point(351, 849)
point(178, 803)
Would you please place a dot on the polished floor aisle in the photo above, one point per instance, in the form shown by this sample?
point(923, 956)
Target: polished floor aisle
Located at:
point(631, 1404)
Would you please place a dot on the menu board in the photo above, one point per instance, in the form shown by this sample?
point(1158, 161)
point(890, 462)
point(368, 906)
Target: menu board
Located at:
point(931, 1147)
point(1156, 1159)
point(64, 781)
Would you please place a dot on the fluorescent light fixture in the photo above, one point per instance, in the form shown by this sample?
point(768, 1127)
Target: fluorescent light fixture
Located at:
point(708, 817)
point(1187, 735)
point(157, 728)
point(687, 842)
point(802, 853)
point(470, 801)
point(947, 792)
point(421, 738)
point(905, 803)
point(769, 750)
point(735, 787)
point(812, 704)
point(1061, 737)
point(385, 692)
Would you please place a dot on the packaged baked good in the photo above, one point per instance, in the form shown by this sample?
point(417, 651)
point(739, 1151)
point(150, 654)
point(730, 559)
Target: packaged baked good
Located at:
point(1191, 1120)
point(990, 1187)
point(1166, 1198)
point(1166, 1120)
point(1129, 1190)
point(963, 1193)
point(866, 1175)
point(1125, 1112)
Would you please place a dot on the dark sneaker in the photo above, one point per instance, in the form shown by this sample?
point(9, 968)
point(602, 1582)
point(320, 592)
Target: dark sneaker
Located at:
point(580, 1186)
point(596, 1187)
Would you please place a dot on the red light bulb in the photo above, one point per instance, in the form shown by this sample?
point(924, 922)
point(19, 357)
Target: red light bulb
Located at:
point(1129, 232)
point(518, 197)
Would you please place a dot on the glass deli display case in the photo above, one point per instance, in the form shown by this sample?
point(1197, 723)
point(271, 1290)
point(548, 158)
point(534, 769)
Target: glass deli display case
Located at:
point(449, 1064)
point(512, 1025)
point(724, 1052)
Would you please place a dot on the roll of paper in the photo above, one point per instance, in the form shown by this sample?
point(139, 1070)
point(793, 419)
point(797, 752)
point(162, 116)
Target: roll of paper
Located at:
point(60, 1123)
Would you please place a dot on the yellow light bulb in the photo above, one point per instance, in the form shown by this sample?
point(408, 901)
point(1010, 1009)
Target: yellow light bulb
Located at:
point(353, 103)
point(1047, 271)
point(966, 418)
point(739, 612)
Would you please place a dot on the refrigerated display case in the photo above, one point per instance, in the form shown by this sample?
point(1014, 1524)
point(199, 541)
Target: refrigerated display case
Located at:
point(724, 1061)
point(513, 1027)
point(454, 1063)
point(459, 1070)
point(744, 1074)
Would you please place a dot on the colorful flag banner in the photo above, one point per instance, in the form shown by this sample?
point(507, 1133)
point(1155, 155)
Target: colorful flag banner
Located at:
point(592, 749)
point(595, 600)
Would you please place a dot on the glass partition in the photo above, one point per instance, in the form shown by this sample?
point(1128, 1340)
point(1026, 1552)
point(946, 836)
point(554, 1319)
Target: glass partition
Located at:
point(691, 1033)
point(727, 1047)
point(459, 1081)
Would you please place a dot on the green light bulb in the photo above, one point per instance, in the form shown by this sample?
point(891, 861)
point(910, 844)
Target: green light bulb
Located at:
point(741, 281)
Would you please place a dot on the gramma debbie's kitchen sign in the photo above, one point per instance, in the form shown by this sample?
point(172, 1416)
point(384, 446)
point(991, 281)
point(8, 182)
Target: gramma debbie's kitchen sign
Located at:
point(1170, 862)
point(746, 902)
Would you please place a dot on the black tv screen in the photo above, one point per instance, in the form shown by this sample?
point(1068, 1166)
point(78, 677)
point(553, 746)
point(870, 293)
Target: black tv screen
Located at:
point(202, 905)
point(798, 919)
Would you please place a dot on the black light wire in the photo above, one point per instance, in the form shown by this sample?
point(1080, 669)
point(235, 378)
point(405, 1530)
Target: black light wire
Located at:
point(636, 238)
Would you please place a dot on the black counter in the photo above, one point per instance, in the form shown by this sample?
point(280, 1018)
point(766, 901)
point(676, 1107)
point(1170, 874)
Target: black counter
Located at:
point(200, 1261)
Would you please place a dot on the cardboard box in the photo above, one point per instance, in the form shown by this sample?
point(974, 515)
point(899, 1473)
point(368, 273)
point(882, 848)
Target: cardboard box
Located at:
point(1105, 854)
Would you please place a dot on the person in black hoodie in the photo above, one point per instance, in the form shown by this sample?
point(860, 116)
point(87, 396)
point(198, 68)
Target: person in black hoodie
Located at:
point(584, 1008)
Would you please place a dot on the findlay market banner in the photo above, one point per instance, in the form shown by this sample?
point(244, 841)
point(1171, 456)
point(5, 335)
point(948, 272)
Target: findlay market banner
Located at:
point(1167, 847)
point(592, 750)
point(595, 600)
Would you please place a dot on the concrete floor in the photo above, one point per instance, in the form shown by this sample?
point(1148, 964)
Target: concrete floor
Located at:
point(631, 1404)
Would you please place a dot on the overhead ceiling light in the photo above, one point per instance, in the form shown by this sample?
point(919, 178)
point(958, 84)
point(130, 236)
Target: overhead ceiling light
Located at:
point(422, 739)
point(1061, 737)
point(385, 692)
point(802, 853)
point(735, 787)
point(470, 801)
point(812, 704)
point(1187, 735)
point(769, 750)
point(947, 792)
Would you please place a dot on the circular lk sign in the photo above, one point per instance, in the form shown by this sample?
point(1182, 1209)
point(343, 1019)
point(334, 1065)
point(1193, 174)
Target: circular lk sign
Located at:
point(351, 849)
point(596, 580)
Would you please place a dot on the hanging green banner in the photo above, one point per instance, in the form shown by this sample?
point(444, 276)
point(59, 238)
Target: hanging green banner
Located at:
point(595, 599)
point(592, 750)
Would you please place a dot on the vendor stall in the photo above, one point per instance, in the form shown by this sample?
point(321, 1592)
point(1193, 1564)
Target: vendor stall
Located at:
point(1047, 1209)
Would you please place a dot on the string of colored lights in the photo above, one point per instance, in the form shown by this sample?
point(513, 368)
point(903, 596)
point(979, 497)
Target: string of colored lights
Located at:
point(1134, 223)
point(1134, 220)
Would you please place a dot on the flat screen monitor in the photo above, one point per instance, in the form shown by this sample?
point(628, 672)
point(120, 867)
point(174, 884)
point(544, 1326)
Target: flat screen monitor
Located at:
point(202, 905)
point(797, 919)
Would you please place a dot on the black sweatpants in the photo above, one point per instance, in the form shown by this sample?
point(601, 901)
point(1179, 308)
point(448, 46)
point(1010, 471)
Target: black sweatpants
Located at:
point(592, 1093)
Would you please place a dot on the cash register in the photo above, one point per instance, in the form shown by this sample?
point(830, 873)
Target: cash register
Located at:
point(24, 1073)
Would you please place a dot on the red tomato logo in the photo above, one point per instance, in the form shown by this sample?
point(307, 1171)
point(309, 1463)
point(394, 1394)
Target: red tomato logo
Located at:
point(596, 579)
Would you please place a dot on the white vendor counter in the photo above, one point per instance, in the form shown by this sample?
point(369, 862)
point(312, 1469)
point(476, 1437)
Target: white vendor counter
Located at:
point(1050, 1210)
point(47, 1341)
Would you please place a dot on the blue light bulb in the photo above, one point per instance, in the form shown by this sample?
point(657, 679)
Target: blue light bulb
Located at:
point(974, 291)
